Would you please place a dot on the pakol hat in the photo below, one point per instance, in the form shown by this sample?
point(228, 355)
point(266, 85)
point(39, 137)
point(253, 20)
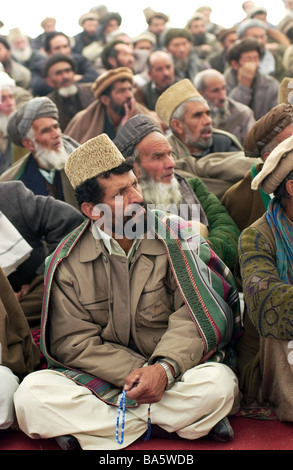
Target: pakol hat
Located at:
point(88, 16)
point(285, 94)
point(276, 167)
point(266, 128)
point(149, 13)
point(91, 159)
point(108, 78)
point(175, 95)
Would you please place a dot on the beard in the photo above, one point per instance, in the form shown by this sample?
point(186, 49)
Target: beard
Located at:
point(200, 144)
point(220, 115)
point(22, 55)
point(199, 39)
point(181, 64)
point(160, 194)
point(49, 159)
point(68, 91)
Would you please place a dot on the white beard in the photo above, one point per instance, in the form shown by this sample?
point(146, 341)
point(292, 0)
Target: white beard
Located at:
point(3, 123)
point(160, 193)
point(49, 159)
point(22, 55)
point(68, 91)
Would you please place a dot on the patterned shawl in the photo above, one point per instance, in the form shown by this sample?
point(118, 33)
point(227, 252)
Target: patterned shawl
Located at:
point(206, 284)
point(283, 234)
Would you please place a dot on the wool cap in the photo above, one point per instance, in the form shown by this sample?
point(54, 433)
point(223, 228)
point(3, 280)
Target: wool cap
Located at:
point(276, 167)
point(48, 20)
point(177, 33)
point(92, 158)
point(6, 82)
point(106, 79)
point(88, 16)
point(175, 95)
point(285, 94)
point(149, 14)
point(21, 120)
point(223, 33)
point(266, 128)
point(146, 36)
point(254, 10)
point(133, 131)
point(250, 23)
point(54, 59)
point(110, 15)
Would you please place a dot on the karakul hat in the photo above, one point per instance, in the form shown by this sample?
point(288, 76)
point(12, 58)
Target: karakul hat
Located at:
point(92, 158)
point(175, 95)
point(133, 131)
point(276, 167)
point(108, 78)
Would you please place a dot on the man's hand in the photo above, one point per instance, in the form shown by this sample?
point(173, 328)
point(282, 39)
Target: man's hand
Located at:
point(246, 73)
point(23, 291)
point(147, 384)
point(130, 111)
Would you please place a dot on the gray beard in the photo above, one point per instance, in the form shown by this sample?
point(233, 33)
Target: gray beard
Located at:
point(49, 159)
point(220, 116)
point(190, 142)
point(161, 194)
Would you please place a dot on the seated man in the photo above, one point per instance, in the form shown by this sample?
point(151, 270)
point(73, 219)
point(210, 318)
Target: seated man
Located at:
point(35, 127)
point(114, 104)
point(19, 353)
point(245, 83)
point(41, 222)
point(227, 114)
point(265, 257)
point(70, 97)
point(198, 149)
point(116, 320)
point(154, 166)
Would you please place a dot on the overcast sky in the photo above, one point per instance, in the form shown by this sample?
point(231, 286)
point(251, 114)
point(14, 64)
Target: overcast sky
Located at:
point(28, 14)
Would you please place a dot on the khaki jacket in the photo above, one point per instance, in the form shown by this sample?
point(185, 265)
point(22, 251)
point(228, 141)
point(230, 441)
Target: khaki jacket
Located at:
point(109, 316)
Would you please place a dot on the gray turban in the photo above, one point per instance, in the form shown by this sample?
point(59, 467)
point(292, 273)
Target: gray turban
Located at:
point(21, 120)
point(135, 129)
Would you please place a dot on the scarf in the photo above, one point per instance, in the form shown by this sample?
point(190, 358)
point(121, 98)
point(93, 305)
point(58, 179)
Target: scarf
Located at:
point(283, 234)
point(206, 284)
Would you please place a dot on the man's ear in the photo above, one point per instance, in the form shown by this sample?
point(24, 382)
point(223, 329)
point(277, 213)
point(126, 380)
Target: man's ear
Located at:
point(49, 82)
point(28, 144)
point(234, 64)
point(289, 187)
point(105, 100)
point(177, 126)
point(113, 62)
point(88, 209)
point(136, 170)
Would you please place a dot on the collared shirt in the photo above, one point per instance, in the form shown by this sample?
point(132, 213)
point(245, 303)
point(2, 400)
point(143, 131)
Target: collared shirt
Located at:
point(48, 175)
point(112, 246)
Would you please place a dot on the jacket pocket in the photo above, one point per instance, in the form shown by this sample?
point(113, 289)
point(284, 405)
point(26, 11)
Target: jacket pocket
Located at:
point(154, 309)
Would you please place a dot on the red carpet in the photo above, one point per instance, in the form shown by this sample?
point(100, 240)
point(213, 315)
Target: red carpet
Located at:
point(250, 434)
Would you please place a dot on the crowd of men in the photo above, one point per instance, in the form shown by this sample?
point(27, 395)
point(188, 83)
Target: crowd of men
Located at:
point(191, 331)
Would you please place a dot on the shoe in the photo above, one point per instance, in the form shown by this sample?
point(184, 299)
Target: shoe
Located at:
point(68, 443)
point(222, 431)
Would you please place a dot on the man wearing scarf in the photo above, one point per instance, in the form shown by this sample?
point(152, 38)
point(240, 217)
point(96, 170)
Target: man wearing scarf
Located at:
point(35, 127)
point(265, 256)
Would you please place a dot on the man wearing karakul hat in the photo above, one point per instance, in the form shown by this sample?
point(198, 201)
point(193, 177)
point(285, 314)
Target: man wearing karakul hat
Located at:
point(265, 257)
point(244, 204)
point(35, 127)
point(113, 314)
